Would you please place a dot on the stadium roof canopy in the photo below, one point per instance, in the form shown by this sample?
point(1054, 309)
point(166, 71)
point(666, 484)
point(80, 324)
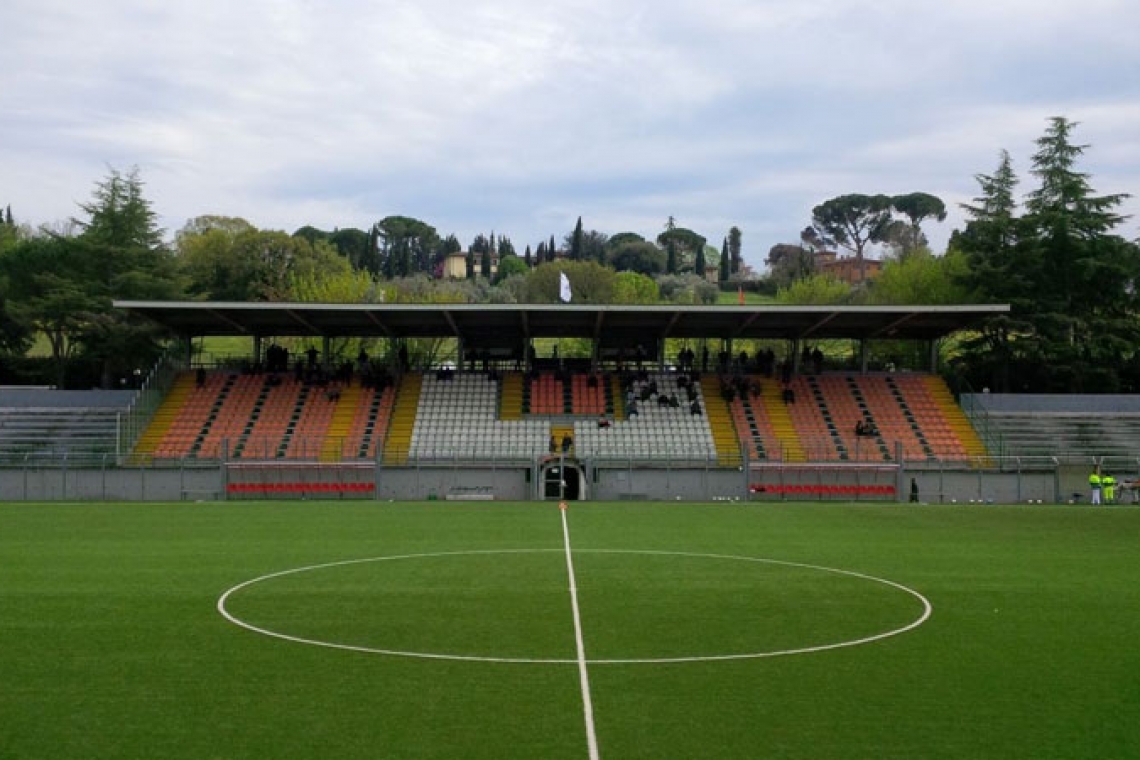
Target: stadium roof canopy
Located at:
point(508, 325)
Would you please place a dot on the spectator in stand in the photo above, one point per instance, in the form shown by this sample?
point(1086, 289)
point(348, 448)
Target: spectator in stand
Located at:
point(695, 408)
point(603, 422)
point(631, 408)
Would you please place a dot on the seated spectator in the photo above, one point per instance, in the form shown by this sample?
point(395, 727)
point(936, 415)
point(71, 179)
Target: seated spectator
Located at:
point(631, 408)
point(567, 443)
point(603, 422)
point(695, 408)
point(592, 381)
point(789, 395)
point(674, 402)
point(553, 445)
point(662, 400)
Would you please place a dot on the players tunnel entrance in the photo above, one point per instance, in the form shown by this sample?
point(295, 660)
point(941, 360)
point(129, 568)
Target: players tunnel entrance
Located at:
point(563, 480)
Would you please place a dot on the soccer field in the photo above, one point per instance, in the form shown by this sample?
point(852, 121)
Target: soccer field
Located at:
point(634, 630)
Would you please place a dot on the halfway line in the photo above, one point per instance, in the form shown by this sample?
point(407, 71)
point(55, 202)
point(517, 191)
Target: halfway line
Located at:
point(583, 673)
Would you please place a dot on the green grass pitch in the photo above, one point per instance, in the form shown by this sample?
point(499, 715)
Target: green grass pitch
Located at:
point(112, 644)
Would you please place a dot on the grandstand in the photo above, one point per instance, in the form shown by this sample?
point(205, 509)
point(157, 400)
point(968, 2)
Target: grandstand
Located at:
point(38, 424)
point(467, 416)
point(475, 416)
point(531, 429)
point(1055, 425)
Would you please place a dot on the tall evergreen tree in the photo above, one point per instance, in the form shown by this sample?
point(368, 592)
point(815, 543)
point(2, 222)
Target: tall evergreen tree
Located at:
point(1070, 282)
point(734, 241)
point(670, 256)
point(527, 257)
point(486, 260)
point(724, 272)
point(551, 250)
point(1086, 296)
point(576, 242)
point(699, 262)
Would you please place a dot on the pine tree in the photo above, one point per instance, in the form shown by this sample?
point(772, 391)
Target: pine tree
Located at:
point(527, 257)
point(1070, 282)
point(670, 257)
point(699, 263)
point(723, 274)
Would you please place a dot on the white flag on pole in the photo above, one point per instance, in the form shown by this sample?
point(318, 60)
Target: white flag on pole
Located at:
point(564, 287)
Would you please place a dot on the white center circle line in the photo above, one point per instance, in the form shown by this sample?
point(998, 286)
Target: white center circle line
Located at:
point(927, 610)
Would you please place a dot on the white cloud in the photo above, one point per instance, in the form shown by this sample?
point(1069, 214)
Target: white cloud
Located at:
point(520, 116)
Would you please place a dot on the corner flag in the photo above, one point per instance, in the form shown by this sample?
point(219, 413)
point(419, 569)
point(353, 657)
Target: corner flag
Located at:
point(564, 287)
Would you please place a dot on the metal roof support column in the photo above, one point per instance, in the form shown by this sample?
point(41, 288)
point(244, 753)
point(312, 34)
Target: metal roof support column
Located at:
point(256, 350)
point(459, 353)
point(326, 351)
point(863, 356)
point(795, 358)
point(933, 356)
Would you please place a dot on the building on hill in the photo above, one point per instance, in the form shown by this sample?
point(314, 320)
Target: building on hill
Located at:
point(846, 268)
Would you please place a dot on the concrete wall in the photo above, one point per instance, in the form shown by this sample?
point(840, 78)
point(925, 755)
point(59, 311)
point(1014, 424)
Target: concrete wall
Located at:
point(603, 483)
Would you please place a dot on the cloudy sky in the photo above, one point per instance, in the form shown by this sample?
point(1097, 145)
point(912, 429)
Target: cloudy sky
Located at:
point(517, 116)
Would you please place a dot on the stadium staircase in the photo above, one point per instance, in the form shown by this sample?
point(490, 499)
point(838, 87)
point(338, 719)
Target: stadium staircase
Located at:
point(783, 427)
point(615, 404)
point(959, 425)
point(753, 428)
point(369, 423)
point(725, 437)
point(398, 442)
point(227, 415)
point(880, 420)
point(333, 447)
point(164, 418)
point(814, 403)
point(559, 432)
point(511, 397)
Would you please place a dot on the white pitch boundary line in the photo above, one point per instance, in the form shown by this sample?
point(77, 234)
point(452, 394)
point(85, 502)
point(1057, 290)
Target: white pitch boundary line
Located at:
point(583, 670)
